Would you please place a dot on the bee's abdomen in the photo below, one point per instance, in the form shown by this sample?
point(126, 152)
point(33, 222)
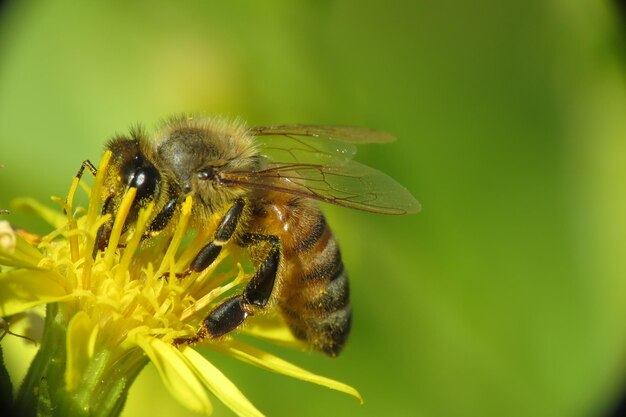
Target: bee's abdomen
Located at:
point(316, 298)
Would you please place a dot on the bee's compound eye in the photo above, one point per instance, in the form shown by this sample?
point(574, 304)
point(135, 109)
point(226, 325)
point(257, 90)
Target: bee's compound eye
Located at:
point(145, 179)
point(205, 174)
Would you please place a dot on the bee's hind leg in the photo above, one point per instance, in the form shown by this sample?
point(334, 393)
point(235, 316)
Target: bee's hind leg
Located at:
point(227, 316)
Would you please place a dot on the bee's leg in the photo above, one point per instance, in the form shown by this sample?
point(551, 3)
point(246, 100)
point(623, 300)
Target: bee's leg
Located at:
point(104, 231)
point(232, 312)
point(156, 225)
point(5, 327)
point(90, 167)
point(228, 315)
point(86, 164)
point(101, 238)
point(162, 219)
point(209, 253)
point(259, 289)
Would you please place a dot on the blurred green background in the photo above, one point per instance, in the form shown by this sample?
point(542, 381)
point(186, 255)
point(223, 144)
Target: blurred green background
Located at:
point(506, 296)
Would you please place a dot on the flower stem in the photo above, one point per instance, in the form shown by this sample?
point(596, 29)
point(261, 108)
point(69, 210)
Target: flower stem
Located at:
point(102, 389)
point(46, 371)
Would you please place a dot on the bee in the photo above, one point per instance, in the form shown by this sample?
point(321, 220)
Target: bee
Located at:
point(263, 182)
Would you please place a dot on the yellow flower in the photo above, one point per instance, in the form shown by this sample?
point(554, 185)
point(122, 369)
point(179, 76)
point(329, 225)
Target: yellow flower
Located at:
point(109, 315)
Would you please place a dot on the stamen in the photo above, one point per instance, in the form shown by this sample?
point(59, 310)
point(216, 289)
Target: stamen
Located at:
point(133, 244)
point(71, 221)
point(181, 229)
point(205, 301)
point(96, 191)
point(118, 225)
point(194, 247)
point(92, 217)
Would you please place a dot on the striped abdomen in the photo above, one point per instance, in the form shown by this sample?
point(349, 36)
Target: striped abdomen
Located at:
point(313, 291)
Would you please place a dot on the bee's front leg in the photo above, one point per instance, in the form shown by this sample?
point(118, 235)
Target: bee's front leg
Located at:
point(162, 218)
point(90, 167)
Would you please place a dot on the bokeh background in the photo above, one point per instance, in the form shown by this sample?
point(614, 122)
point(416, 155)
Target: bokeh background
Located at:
point(506, 296)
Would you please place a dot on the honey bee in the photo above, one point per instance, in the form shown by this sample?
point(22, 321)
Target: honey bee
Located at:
point(263, 181)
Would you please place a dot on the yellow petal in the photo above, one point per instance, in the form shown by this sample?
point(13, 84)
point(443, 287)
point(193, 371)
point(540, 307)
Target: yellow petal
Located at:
point(80, 340)
point(22, 289)
point(265, 360)
point(7, 237)
point(53, 217)
point(221, 386)
point(24, 255)
point(177, 374)
point(273, 328)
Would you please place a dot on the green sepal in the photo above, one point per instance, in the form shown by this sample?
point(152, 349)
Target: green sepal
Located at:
point(44, 403)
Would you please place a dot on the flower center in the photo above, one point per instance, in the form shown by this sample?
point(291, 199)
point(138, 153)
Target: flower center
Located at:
point(135, 284)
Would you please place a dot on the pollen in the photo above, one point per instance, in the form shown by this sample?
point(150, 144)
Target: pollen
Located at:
point(134, 285)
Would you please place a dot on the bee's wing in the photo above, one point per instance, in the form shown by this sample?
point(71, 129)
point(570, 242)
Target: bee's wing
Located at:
point(314, 143)
point(351, 134)
point(348, 184)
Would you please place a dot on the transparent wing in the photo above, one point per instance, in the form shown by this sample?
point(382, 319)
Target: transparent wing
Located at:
point(314, 143)
point(351, 134)
point(349, 184)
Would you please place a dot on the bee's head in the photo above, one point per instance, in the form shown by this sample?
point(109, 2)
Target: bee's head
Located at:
point(130, 167)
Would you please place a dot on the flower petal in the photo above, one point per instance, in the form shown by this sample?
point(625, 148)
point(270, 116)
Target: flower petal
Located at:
point(221, 386)
point(22, 289)
point(265, 360)
point(53, 217)
point(272, 327)
point(80, 332)
point(24, 255)
point(7, 237)
point(178, 376)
